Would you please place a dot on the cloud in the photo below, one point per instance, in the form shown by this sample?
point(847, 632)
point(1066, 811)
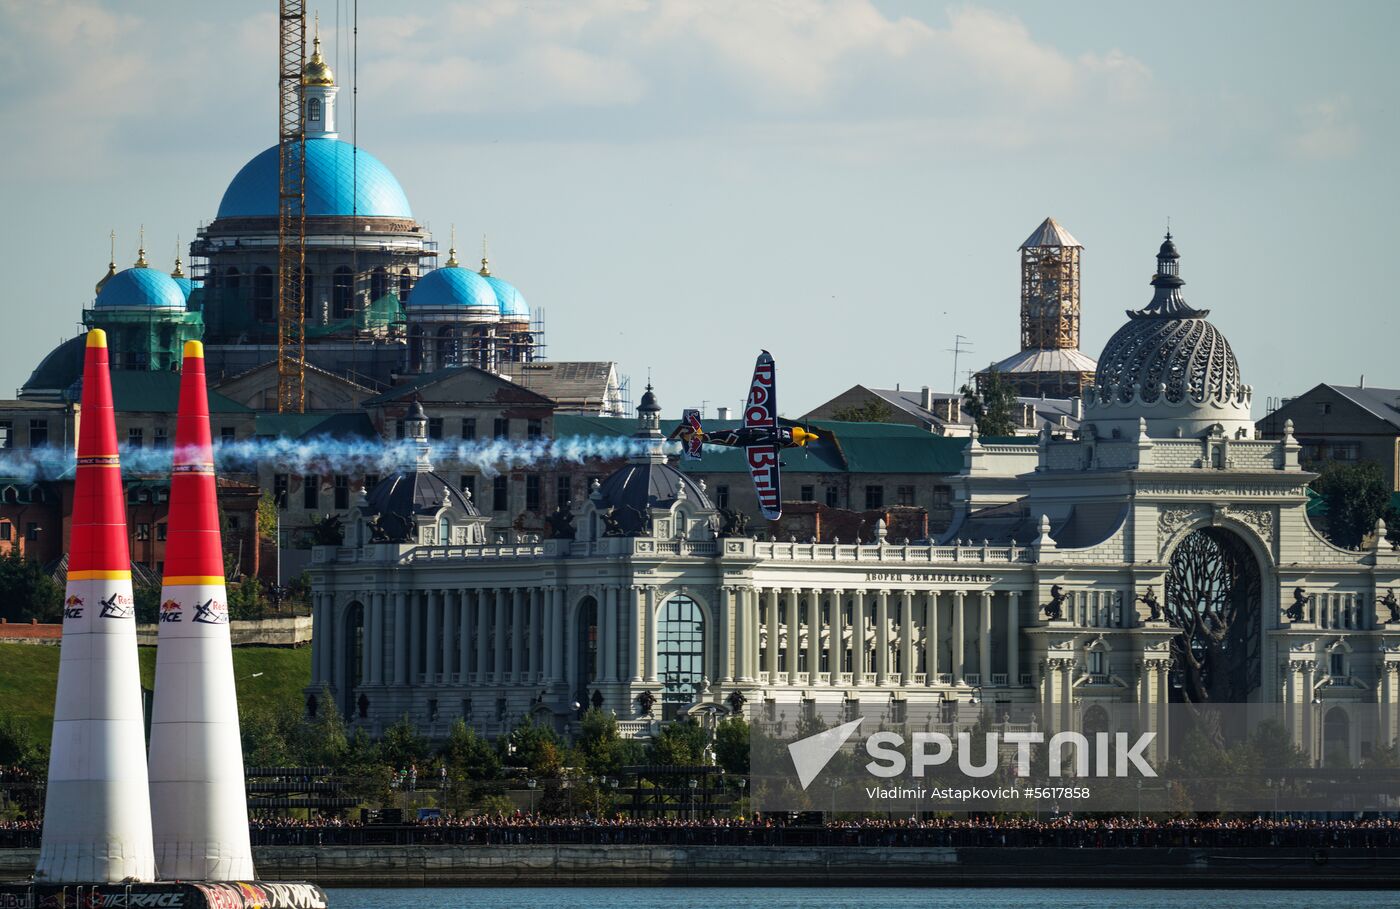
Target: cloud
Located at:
point(1325, 131)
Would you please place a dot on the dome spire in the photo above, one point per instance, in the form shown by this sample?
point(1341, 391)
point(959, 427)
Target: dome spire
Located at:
point(141, 250)
point(179, 271)
point(318, 90)
point(485, 263)
point(452, 249)
point(111, 263)
point(1167, 301)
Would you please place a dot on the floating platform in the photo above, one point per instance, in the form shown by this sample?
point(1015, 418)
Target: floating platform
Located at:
point(164, 895)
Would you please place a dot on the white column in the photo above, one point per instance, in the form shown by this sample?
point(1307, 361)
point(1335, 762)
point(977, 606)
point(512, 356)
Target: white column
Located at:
point(400, 639)
point(724, 639)
point(771, 657)
point(556, 635)
point(651, 607)
point(464, 635)
point(498, 635)
point(984, 639)
point(415, 637)
point(882, 637)
point(931, 638)
point(637, 605)
point(736, 604)
point(1013, 638)
point(449, 626)
point(484, 600)
point(858, 627)
point(366, 611)
point(517, 636)
point(433, 607)
point(318, 639)
point(906, 648)
point(374, 639)
point(532, 644)
point(959, 636)
point(609, 672)
point(835, 648)
point(814, 628)
point(794, 634)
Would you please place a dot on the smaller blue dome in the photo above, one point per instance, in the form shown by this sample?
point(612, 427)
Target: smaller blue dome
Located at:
point(512, 301)
point(185, 285)
point(141, 288)
point(451, 286)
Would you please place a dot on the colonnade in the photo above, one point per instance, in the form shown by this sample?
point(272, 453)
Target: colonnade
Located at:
point(525, 636)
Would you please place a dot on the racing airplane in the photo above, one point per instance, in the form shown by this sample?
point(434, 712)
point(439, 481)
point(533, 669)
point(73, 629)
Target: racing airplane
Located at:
point(761, 437)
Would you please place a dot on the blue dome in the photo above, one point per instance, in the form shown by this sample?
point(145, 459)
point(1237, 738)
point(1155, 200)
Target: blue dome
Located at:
point(453, 286)
point(512, 301)
point(185, 285)
point(338, 181)
point(141, 288)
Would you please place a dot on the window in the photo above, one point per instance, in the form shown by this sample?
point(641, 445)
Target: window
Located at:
point(399, 432)
point(342, 491)
point(1324, 408)
point(405, 285)
point(31, 532)
point(832, 496)
point(143, 532)
point(264, 294)
point(38, 433)
point(311, 492)
point(722, 496)
point(851, 710)
point(469, 427)
point(468, 486)
point(6, 529)
point(135, 437)
point(501, 429)
point(680, 653)
point(435, 427)
point(1346, 451)
point(444, 531)
point(904, 495)
point(371, 480)
point(500, 494)
point(563, 490)
point(532, 492)
point(942, 497)
point(874, 497)
point(160, 440)
point(1338, 661)
point(378, 283)
point(342, 292)
point(162, 527)
point(227, 434)
point(313, 110)
point(7, 438)
point(809, 493)
point(534, 429)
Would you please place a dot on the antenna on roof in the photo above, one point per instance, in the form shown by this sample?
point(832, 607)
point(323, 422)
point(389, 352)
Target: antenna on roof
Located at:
point(956, 350)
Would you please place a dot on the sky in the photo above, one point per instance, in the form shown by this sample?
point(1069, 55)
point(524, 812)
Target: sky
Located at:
point(680, 183)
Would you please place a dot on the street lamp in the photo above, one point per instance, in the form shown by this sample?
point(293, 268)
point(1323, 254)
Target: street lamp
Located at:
point(532, 783)
point(694, 784)
point(1317, 721)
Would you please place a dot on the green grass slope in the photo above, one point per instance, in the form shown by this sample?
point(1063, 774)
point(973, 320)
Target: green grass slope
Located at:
point(266, 678)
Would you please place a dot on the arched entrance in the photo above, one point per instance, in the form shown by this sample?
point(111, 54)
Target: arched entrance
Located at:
point(1336, 738)
point(586, 649)
point(1213, 595)
point(352, 656)
point(680, 653)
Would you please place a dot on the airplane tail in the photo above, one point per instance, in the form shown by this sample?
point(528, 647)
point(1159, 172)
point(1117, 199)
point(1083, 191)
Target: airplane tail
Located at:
point(693, 434)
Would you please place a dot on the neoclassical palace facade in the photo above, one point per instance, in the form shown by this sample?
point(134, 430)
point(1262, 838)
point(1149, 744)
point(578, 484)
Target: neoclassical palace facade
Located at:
point(1162, 555)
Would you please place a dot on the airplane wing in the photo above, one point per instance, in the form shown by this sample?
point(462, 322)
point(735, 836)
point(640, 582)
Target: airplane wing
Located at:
point(692, 434)
point(767, 481)
point(761, 411)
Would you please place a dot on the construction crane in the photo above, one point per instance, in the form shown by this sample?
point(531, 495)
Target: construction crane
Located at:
point(291, 209)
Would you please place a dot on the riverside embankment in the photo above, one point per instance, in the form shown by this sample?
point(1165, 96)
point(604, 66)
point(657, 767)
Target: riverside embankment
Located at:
point(788, 866)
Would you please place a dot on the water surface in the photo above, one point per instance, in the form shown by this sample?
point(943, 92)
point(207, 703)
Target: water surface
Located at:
point(850, 898)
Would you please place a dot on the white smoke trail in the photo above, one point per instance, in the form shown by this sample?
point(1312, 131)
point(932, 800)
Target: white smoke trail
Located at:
point(350, 456)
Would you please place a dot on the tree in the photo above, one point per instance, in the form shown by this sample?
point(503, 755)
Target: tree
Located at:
point(682, 742)
point(26, 592)
point(992, 405)
point(732, 745)
point(468, 755)
point(401, 745)
point(1212, 586)
point(245, 598)
point(598, 742)
point(872, 410)
point(535, 748)
point(1356, 496)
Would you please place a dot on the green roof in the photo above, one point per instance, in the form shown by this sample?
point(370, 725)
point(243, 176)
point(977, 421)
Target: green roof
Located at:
point(338, 424)
point(843, 447)
point(159, 392)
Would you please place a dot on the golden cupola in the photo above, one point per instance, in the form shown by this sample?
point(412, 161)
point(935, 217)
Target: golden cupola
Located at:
point(317, 71)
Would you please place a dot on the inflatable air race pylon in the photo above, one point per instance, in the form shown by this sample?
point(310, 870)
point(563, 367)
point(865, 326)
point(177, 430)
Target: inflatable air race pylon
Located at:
point(199, 811)
point(97, 813)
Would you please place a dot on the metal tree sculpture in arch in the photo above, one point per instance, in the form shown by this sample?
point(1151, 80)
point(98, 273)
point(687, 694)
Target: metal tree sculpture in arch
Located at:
point(1212, 595)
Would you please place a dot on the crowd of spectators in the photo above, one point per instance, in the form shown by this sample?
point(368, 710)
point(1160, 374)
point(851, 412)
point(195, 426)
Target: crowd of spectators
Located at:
point(522, 828)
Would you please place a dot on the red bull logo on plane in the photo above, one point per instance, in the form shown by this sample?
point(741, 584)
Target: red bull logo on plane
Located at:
point(73, 607)
point(171, 611)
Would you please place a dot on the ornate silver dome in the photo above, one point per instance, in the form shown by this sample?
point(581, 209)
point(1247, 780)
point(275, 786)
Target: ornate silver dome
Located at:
point(1169, 363)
